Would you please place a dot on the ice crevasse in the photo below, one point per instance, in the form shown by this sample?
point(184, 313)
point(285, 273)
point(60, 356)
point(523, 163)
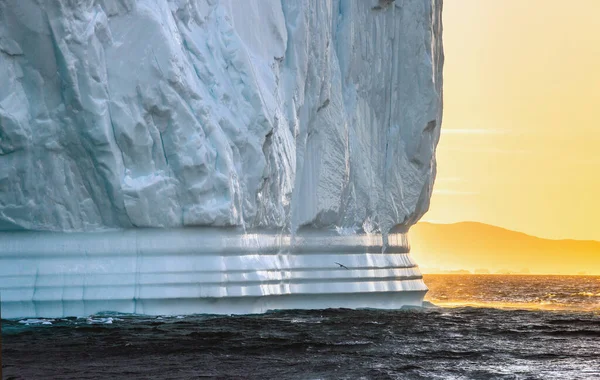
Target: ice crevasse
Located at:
point(159, 156)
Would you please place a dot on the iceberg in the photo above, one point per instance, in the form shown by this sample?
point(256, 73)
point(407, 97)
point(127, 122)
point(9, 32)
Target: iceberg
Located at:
point(214, 156)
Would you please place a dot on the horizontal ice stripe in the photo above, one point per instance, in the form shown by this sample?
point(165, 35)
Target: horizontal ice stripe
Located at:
point(225, 305)
point(204, 263)
point(192, 241)
point(210, 290)
point(62, 280)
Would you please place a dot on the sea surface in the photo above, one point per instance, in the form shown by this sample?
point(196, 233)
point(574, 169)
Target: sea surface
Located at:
point(484, 327)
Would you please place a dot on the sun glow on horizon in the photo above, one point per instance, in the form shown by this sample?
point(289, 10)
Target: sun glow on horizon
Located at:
point(519, 146)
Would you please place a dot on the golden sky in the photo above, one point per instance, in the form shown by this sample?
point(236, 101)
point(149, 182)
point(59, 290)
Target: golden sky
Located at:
point(520, 145)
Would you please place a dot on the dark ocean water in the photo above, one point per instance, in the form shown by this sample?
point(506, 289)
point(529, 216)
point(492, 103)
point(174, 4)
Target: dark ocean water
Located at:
point(521, 327)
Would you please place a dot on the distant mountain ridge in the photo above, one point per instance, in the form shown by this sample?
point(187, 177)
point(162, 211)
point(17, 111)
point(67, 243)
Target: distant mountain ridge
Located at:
point(474, 246)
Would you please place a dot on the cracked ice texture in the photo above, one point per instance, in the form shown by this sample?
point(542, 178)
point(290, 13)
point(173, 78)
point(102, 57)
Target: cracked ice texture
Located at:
point(255, 113)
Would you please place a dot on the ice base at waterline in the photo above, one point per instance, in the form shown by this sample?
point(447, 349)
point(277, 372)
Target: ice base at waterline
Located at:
point(208, 270)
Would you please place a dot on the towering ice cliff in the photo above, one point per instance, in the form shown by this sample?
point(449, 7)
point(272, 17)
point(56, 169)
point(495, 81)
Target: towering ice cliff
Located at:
point(257, 114)
point(262, 113)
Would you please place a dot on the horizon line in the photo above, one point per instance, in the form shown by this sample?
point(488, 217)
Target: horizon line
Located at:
point(442, 223)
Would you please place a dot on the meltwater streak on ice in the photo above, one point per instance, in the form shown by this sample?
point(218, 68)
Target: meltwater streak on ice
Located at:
point(188, 271)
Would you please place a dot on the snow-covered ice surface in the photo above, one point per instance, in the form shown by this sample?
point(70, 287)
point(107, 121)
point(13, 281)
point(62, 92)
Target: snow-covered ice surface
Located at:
point(258, 115)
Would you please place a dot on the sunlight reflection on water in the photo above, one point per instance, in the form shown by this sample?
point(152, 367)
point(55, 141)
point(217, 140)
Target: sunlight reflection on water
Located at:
point(578, 293)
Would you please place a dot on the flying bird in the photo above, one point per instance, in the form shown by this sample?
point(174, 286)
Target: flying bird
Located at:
point(341, 265)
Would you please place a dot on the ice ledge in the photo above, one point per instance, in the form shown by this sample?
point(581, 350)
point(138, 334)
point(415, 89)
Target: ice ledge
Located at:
point(189, 271)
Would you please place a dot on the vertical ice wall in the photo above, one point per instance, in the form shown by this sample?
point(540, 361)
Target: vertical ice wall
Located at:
point(255, 113)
